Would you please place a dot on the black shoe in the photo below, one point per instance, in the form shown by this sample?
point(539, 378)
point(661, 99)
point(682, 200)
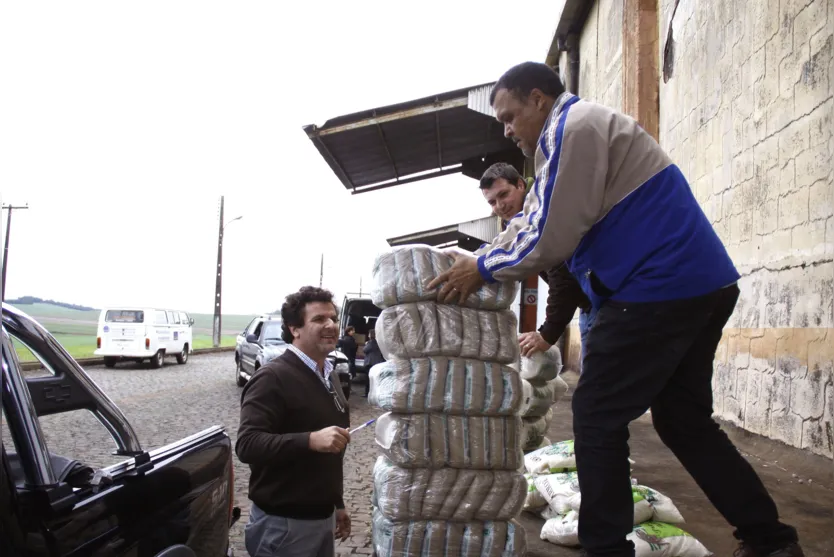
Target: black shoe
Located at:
point(790, 550)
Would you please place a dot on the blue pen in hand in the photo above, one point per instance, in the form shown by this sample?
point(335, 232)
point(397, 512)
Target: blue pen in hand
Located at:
point(366, 424)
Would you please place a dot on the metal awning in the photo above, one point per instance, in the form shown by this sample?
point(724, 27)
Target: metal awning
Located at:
point(415, 140)
point(466, 235)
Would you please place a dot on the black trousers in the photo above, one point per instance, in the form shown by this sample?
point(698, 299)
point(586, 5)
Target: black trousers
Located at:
point(660, 356)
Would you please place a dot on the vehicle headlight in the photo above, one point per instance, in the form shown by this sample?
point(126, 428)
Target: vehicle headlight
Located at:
point(342, 368)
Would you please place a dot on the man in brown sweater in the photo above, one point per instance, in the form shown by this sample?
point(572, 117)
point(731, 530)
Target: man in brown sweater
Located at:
point(504, 189)
point(293, 434)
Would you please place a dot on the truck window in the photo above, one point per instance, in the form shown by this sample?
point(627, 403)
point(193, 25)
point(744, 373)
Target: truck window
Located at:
point(124, 316)
point(172, 318)
point(160, 318)
point(183, 318)
point(96, 450)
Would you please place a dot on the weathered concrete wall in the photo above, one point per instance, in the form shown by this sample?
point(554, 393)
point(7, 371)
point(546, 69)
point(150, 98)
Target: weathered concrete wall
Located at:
point(601, 51)
point(747, 115)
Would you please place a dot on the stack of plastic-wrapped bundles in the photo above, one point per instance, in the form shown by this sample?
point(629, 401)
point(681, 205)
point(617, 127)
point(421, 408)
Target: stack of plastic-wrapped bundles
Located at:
point(448, 482)
point(542, 388)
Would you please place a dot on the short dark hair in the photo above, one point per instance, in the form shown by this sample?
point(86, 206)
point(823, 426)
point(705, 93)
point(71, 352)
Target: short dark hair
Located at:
point(292, 312)
point(350, 329)
point(523, 78)
point(500, 170)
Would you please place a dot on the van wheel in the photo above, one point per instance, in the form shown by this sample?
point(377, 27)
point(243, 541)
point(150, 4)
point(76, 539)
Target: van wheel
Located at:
point(110, 362)
point(182, 357)
point(158, 359)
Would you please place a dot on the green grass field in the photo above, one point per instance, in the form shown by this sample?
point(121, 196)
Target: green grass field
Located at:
point(76, 330)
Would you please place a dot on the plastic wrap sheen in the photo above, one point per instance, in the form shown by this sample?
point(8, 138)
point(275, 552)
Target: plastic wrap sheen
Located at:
point(542, 366)
point(402, 275)
point(438, 440)
point(448, 385)
point(447, 493)
point(424, 329)
point(435, 538)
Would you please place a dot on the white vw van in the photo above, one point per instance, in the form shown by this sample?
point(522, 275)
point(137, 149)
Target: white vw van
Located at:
point(137, 334)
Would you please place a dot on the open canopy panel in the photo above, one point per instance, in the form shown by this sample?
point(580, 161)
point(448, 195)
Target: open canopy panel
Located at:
point(415, 140)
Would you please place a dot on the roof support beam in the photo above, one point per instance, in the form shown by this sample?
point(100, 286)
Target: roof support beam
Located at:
point(437, 131)
point(376, 120)
point(413, 178)
point(388, 151)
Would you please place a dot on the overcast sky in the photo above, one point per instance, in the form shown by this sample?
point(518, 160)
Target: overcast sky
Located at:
point(122, 125)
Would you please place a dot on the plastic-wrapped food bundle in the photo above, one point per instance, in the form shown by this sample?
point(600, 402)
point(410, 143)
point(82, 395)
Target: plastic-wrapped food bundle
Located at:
point(402, 275)
point(538, 399)
point(438, 440)
point(435, 538)
point(533, 430)
point(449, 480)
point(425, 329)
point(449, 385)
point(447, 493)
point(542, 366)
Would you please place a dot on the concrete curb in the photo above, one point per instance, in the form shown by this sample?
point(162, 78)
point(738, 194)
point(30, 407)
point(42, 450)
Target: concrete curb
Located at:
point(92, 362)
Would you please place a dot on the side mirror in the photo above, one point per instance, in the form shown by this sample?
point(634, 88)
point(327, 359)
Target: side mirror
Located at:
point(191, 321)
point(252, 339)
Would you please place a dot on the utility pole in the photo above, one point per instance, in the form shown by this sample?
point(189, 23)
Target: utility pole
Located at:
point(218, 318)
point(218, 282)
point(6, 249)
point(321, 271)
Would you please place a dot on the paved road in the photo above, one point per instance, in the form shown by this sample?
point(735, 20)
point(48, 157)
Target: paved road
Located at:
point(166, 404)
point(169, 403)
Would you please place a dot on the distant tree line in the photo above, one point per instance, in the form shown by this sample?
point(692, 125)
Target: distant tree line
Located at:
point(29, 300)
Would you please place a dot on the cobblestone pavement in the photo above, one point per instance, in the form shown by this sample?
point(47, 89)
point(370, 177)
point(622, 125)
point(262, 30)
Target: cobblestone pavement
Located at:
point(166, 404)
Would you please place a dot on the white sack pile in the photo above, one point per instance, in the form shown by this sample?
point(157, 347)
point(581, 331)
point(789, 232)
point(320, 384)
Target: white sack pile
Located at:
point(556, 497)
point(401, 276)
point(448, 483)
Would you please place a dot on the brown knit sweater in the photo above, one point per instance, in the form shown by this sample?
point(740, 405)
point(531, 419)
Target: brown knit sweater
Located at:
point(282, 403)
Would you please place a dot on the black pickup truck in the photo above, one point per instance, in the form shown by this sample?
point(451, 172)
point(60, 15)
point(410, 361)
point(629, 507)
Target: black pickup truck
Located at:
point(174, 501)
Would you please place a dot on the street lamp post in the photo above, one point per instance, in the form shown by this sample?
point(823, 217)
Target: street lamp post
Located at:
point(218, 318)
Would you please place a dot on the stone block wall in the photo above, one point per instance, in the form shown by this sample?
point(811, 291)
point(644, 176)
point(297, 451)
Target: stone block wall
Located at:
point(747, 115)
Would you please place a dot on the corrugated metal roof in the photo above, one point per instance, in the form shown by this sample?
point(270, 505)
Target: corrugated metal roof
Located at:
point(479, 100)
point(485, 229)
point(467, 235)
point(414, 140)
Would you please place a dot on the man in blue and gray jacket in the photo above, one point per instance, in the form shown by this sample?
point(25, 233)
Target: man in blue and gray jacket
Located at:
point(609, 203)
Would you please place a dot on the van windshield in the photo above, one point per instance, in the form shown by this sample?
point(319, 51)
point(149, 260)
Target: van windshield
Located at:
point(124, 316)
